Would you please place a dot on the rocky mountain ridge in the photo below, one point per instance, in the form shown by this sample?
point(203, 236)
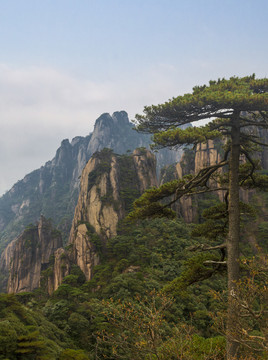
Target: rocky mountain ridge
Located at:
point(109, 185)
point(53, 189)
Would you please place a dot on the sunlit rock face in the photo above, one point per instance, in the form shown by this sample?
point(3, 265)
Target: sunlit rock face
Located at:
point(57, 182)
point(109, 185)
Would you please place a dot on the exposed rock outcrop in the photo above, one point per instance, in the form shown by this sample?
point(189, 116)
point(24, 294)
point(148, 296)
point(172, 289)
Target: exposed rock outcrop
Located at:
point(192, 161)
point(59, 268)
point(109, 185)
point(206, 154)
point(144, 162)
point(185, 206)
point(57, 182)
point(28, 255)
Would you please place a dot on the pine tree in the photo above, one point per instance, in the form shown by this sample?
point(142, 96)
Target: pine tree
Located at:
point(237, 112)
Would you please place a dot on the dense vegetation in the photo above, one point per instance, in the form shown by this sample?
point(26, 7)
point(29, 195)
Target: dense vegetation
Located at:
point(126, 310)
point(237, 111)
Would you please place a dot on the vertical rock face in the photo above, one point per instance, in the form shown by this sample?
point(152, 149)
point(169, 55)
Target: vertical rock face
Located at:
point(5, 261)
point(206, 155)
point(26, 257)
point(109, 185)
point(57, 182)
point(192, 162)
point(184, 207)
point(263, 155)
point(144, 163)
point(60, 268)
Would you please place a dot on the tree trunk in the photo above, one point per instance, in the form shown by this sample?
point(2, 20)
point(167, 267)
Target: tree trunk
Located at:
point(233, 239)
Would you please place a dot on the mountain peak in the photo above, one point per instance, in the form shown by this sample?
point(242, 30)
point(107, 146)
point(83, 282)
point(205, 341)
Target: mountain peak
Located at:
point(121, 117)
point(117, 118)
point(53, 189)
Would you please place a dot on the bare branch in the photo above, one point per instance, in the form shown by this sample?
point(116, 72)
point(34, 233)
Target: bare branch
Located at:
point(208, 262)
point(203, 247)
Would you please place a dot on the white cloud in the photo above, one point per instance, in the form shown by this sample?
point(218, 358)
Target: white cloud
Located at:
point(44, 93)
point(40, 106)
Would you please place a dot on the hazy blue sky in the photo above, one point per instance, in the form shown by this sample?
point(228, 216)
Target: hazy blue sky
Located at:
point(65, 62)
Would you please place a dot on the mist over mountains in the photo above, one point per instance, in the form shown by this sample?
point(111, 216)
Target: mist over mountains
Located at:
point(52, 190)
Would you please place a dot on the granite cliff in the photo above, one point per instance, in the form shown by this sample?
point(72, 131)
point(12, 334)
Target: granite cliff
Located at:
point(192, 161)
point(53, 189)
point(27, 256)
point(109, 184)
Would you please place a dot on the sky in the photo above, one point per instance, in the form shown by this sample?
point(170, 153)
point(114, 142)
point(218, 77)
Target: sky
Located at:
point(65, 62)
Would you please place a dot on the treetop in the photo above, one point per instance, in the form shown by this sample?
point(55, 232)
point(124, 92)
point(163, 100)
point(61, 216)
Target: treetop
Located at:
point(220, 99)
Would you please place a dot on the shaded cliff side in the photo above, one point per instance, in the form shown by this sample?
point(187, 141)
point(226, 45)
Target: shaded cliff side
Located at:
point(27, 256)
point(53, 189)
